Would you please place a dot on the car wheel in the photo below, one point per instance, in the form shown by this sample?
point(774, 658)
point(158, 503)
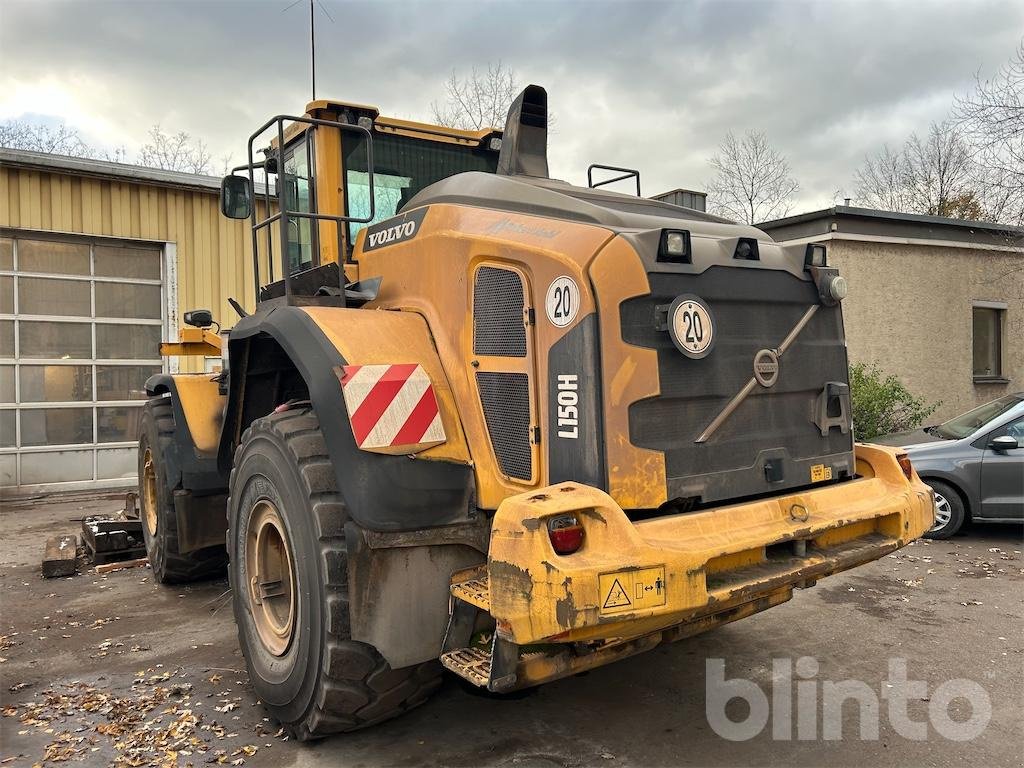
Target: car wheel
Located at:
point(949, 511)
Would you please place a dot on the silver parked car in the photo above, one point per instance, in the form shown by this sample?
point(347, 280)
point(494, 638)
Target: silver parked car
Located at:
point(974, 463)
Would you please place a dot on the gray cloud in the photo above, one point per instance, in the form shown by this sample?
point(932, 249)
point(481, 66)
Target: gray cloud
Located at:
point(650, 85)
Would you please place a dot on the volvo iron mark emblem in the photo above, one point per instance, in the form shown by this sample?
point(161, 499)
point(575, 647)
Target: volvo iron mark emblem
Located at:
point(691, 327)
point(766, 367)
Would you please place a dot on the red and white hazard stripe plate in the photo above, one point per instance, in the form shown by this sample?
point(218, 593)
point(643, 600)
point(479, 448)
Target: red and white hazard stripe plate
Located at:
point(392, 408)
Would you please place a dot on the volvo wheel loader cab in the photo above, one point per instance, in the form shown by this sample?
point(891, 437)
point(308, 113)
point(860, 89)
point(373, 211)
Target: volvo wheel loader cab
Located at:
point(487, 420)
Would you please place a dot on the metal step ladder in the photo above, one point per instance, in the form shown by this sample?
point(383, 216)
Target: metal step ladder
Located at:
point(501, 666)
point(493, 668)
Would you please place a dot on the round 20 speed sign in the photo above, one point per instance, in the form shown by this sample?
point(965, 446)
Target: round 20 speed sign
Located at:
point(691, 326)
point(562, 302)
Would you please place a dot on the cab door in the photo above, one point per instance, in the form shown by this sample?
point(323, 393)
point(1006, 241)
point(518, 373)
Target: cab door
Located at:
point(299, 193)
point(1002, 475)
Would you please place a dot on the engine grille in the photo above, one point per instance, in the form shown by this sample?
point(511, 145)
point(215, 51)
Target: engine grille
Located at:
point(506, 401)
point(752, 309)
point(498, 327)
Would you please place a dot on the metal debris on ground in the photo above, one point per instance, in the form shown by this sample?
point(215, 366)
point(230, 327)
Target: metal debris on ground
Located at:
point(131, 505)
point(111, 538)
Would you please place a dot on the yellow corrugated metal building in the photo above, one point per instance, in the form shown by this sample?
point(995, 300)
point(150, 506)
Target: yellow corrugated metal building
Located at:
point(98, 261)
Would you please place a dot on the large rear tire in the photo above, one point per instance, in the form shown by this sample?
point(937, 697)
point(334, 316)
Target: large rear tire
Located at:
point(289, 576)
point(159, 521)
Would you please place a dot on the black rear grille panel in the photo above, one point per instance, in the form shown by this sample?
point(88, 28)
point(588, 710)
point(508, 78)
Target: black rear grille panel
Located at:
point(498, 322)
point(751, 310)
point(506, 402)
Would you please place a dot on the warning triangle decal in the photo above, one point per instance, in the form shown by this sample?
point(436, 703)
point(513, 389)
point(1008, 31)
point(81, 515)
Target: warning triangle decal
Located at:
point(617, 597)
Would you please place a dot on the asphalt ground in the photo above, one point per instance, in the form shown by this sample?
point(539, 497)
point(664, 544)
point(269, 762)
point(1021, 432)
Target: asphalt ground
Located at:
point(116, 670)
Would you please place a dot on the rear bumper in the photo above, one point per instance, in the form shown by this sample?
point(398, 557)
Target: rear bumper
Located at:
point(630, 580)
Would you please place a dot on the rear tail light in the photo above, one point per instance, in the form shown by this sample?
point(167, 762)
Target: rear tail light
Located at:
point(905, 465)
point(566, 534)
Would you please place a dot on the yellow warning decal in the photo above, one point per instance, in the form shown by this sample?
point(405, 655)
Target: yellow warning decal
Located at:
point(632, 589)
point(820, 472)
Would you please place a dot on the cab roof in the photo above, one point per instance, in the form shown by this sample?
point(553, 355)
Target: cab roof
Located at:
point(329, 108)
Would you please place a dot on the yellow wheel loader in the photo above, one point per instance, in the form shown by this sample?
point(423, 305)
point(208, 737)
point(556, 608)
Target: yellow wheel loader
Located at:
point(484, 420)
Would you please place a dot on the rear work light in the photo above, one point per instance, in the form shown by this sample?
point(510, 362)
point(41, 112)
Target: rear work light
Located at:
point(905, 465)
point(815, 256)
point(746, 249)
point(675, 247)
point(566, 534)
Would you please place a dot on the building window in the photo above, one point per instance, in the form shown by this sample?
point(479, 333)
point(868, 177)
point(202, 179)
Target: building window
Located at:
point(80, 328)
point(988, 342)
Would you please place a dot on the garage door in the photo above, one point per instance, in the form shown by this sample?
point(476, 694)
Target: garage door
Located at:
point(80, 326)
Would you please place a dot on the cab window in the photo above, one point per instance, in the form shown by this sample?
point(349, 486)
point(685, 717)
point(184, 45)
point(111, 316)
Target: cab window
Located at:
point(299, 195)
point(389, 193)
point(402, 166)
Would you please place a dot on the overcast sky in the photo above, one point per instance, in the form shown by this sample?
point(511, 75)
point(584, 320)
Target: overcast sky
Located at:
point(648, 85)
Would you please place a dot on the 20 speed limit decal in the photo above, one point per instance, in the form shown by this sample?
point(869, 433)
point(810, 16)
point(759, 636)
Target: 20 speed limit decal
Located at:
point(562, 302)
point(691, 326)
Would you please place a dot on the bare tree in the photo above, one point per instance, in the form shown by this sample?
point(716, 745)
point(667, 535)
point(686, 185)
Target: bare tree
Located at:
point(940, 169)
point(226, 163)
point(752, 181)
point(36, 137)
point(932, 175)
point(478, 101)
point(174, 152)
point(992, 118)
point(880, 181)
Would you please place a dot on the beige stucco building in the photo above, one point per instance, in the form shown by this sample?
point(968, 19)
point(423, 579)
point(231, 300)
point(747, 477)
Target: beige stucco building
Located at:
point(938, 302)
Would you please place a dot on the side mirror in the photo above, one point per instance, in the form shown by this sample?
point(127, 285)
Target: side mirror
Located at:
point(1003, 443)
point(235, 197)
point(199, 318)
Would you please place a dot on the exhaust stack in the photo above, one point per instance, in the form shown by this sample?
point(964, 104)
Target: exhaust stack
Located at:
point(524, 145)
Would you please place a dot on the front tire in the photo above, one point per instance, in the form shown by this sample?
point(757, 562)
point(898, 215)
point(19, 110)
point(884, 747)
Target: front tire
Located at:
point(949, 511)
point(159, 520)
point(289, 576)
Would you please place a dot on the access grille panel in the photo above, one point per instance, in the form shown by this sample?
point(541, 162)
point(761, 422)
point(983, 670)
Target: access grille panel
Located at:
point(506, 401)
point(498, 327)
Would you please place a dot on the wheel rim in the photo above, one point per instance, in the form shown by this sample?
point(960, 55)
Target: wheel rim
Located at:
point(271, 580)
point(149, 492)
point(943, 512)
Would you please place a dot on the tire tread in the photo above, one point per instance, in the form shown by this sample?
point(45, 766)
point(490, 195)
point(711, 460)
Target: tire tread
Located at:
point(176, 568)
point(348, 694)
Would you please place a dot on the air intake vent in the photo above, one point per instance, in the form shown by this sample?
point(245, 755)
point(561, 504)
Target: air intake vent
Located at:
point(506, 401)
point(498, 305)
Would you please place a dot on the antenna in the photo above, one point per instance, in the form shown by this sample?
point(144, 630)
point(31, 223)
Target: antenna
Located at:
point(312, 48)
point(312, 37)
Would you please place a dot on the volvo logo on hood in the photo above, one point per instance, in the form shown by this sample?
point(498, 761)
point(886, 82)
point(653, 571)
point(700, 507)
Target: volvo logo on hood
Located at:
point(394, 231)
point(766, 367)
